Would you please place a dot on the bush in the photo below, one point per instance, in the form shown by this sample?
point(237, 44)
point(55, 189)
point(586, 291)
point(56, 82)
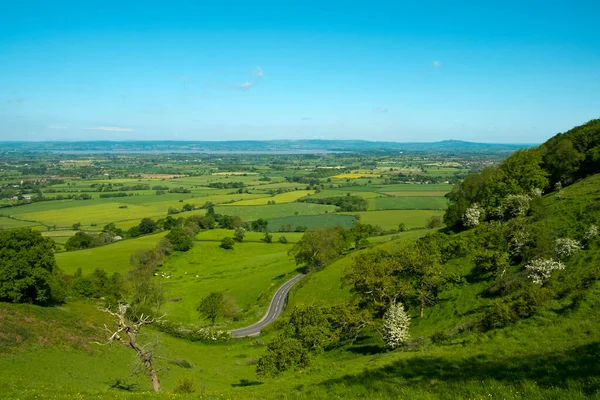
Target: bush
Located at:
point(499, 316)
point(227, 243)
point(283, 239)
point(185, 385)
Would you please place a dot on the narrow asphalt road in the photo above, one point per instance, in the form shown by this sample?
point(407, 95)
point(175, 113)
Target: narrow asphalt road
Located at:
point(275, 309)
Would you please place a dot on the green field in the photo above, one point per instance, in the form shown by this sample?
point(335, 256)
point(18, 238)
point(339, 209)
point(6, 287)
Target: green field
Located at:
point(409, 203)
point(111, 258)
point(311, 221)
point(251, 213)
point(10, 223)
point(390, 219)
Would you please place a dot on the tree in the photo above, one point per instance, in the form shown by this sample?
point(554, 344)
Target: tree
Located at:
point(283, 239)
point(282, 353)
point(147, 226)
point(27, 267)
point(180, 239)
point(268, 238)
point(227, 243)
point(260, 225)
point(434, 222)
point(540, 270)
point(76, 226)
point(126, 332)
point(395, 326)
point(80, 240)
point(212, 306)
point(239, 234)
point(319, 246)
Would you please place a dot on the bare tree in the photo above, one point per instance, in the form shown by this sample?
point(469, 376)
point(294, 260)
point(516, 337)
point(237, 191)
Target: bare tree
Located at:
point(126, 333)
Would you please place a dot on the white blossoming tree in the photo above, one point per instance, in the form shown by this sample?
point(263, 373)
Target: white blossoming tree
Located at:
point(515, 205)
point(541, 269)
point(565, 247)
point(395, 326)
point(472, 216)
point(591, 233)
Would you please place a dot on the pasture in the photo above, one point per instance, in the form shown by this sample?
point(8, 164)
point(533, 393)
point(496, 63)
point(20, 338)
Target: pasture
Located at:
point(390, 219)
point(409, 203)
point(310, 221)
point(111, 258)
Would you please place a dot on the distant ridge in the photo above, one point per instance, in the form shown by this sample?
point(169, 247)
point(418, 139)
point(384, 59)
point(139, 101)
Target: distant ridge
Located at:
point(257, 146)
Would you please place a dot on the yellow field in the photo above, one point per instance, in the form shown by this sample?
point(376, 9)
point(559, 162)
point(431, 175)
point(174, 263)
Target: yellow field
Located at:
point(353, 176)
point(424, 193)
point(287, 197)
point(96, 214)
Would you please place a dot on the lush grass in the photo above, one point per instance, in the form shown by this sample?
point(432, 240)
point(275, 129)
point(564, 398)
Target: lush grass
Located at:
point(410, 203)
point(111, 258)
point(311, 221)
point(390, 219)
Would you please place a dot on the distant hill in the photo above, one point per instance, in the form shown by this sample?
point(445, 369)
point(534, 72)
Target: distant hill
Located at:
point(260, 146)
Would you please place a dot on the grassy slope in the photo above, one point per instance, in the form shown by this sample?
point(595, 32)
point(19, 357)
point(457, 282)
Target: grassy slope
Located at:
point(249, 273)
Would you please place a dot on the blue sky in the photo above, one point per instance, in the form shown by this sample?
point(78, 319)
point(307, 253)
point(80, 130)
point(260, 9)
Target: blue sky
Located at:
point(506, 71)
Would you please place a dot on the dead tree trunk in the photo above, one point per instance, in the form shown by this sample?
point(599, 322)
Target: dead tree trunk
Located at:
point(131, 329)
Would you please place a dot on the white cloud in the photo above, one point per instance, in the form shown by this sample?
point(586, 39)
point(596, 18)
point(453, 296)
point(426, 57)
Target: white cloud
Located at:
point(58, 127)
point(109, 128)
point(436, 64)
point(258, 72)
point(380, 110)
point(243, 86)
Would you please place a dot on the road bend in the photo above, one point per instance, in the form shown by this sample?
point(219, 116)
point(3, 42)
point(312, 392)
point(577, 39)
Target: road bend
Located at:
point(276, 307)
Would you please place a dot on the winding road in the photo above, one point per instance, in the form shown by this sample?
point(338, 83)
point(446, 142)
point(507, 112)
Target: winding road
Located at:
point(275, 309)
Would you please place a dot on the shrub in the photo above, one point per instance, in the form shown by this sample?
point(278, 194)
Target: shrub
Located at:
point(499, 316)
point(185, 385)
point(227, 243)
point(283, 239)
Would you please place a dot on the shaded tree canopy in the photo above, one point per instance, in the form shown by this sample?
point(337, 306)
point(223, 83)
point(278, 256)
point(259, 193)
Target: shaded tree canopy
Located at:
point(26, 267)
point(320, 246)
